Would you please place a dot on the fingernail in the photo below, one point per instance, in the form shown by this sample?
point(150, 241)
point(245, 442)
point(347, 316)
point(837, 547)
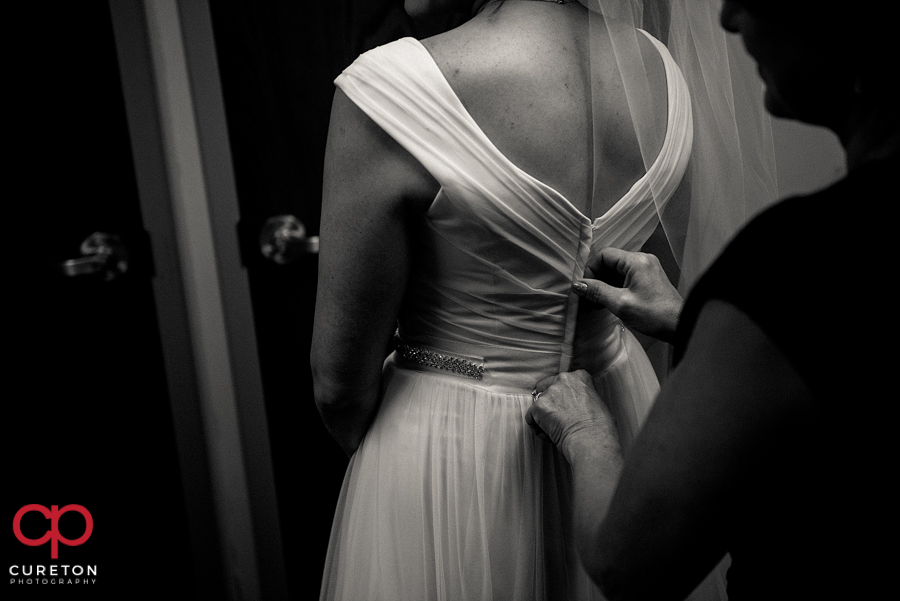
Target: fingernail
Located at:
point(580, 288)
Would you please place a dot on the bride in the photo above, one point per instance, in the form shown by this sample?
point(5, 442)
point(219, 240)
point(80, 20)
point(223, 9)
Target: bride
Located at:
point(468, 179)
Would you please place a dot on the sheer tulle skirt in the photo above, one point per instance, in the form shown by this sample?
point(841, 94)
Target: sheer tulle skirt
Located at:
point(452, 497)
point(443, 498)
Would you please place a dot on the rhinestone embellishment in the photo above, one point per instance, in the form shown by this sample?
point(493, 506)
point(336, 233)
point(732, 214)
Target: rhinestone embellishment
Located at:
point(439, 361)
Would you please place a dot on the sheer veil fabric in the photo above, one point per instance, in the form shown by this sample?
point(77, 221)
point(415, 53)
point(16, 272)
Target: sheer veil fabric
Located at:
point(731, 175)
point(731, 172)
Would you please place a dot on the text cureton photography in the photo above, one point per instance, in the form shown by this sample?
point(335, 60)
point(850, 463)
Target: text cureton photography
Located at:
point(35, 535)
point(52, 574)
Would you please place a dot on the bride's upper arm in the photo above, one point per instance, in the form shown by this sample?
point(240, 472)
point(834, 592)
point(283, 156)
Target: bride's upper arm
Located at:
point(371, 189)
point(362, 160)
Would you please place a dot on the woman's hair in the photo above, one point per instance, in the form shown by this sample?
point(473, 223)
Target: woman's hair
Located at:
point(864, 29)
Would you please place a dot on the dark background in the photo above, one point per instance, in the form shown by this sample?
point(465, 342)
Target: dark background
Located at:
point(89, 420)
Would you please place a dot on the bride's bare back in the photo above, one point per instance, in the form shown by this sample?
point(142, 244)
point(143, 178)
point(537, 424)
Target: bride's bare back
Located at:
point(523, 72)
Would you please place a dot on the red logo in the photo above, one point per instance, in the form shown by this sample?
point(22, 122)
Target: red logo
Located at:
point(53, 534)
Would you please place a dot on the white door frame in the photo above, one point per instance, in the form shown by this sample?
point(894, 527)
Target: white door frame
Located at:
point(183, 164)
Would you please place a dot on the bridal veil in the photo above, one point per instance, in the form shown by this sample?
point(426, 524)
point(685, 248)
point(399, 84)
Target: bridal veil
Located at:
point(731, 174)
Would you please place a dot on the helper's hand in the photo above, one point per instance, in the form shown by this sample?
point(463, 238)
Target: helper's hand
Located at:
point(634, 287)
point(568, 411)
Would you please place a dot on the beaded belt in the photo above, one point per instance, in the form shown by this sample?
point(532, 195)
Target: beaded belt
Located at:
point(437, 360)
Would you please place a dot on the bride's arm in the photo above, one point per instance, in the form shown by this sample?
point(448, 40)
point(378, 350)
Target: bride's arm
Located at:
point(372, 187)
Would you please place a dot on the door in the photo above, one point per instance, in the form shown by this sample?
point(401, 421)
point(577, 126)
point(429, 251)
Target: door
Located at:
point(87, 416)
point(278, 61)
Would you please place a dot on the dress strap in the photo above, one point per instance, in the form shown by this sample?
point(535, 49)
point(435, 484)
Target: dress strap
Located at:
point(631, 221)
point(401, 88)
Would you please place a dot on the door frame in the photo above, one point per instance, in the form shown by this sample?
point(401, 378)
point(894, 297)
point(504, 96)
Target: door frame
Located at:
point(188, 200)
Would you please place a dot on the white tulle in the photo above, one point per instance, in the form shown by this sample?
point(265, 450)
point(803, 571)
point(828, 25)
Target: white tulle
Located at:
point(731, 175)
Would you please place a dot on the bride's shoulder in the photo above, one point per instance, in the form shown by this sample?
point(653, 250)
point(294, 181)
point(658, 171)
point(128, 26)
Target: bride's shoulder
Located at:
point(511, 48)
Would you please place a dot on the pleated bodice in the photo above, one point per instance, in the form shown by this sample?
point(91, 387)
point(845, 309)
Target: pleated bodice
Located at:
point(497, 252)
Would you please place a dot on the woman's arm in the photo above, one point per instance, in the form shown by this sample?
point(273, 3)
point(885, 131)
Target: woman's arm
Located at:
point(372, 187)
point(722, 422)
point(728, 410)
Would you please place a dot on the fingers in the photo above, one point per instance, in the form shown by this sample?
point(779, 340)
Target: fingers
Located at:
point(609, 265)
point(609, 258)
point(535, 427)
point(614, 265)
point(544, 384)
point(563, 378)
point(564, 405)
point(537, 409)
point(606, 276)
point(600, 293)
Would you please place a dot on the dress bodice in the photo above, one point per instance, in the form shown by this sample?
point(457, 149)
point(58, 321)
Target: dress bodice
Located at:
point(496, 253)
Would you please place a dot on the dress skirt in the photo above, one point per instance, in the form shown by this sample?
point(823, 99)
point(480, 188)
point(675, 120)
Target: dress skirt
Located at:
point(452, 497)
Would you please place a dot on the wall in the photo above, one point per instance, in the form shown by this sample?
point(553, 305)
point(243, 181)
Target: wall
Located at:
point(807, 158)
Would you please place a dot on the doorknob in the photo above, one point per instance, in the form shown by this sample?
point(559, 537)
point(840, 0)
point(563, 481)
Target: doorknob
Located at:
point(104, 255)
point(283, 239)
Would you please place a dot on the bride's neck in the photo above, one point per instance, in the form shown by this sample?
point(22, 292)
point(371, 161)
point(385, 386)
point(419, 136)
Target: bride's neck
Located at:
point(479, 5)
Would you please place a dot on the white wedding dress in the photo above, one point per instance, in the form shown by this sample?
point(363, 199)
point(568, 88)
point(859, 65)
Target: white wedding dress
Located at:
point(450, 495)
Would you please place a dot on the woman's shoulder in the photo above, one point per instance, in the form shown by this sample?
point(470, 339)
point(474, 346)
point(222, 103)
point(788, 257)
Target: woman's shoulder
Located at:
point(517, 38)
point(840, 212)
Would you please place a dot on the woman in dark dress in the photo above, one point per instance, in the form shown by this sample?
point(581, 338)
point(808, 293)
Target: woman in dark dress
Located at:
point(771, 440)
